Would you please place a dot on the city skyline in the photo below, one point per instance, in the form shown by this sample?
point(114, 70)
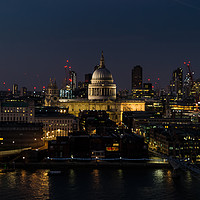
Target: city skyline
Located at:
point(38, 37)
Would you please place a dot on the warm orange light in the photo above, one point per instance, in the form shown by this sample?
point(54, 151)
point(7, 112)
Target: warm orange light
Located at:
point(112, 149)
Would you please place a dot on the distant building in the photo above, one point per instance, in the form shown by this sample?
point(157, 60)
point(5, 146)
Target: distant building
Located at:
point(73, 80)
point(113, 145)
point(14, 135)
point(102, 86)
point(17, 110)
point(176, 85)
point(15, 89)
point(101, 96)
point(115, 109)
point(137, 77)
point(23, 91)
point(88, 78)
point(146, 92)
point(68, 90)
point(181, 141)
point(56, 121)
point(123, 93)
point(52, 94)
point(95, 122)
point(82, 90)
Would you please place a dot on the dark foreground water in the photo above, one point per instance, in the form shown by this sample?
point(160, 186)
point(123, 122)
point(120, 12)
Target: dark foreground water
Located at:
point(94, 184)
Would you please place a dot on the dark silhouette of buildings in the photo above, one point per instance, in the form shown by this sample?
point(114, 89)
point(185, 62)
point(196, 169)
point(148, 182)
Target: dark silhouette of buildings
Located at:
point(137, 77)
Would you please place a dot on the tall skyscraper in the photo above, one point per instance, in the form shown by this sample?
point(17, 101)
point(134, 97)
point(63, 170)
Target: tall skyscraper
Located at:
point(15, 89)
point(177, 81)
point(73, 80)
point(137, 77)
point(88, 78)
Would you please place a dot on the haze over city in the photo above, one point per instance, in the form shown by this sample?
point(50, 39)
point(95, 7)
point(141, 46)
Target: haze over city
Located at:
point(37, 37)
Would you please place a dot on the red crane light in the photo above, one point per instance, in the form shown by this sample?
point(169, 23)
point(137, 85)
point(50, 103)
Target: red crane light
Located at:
point(34, 88)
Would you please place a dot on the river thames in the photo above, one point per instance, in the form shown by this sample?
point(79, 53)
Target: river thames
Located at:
point(99, 184)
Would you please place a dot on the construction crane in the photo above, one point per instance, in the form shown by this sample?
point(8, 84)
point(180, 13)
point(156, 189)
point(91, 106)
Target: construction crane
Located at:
point(68, 79)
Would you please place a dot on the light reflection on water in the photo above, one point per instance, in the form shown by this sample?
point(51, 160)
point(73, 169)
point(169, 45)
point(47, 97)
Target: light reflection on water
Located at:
point(96, 179)
point(105, 183)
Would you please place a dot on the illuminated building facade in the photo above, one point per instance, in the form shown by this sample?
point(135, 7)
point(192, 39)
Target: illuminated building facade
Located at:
point(115, 109)
point(73, 80)
point(15, 89)
point(17, 110)
point(146, 92)
point(56, 122)
point(52, 94)
point(102, 86)
point(182, 141)
point(176, 85)
point(101, 96)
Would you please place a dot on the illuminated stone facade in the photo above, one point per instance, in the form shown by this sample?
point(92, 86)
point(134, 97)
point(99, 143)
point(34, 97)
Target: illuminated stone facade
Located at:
point(15, 110)
point(102, 86)
point(101, 96)
point(52, 94)
point(115, 109)
point(57, 125)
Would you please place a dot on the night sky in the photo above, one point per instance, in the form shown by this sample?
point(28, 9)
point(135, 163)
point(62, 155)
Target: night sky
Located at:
point(37, 37)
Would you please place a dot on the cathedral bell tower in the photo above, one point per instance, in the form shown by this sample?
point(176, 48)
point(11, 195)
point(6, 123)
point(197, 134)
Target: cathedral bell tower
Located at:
point(52, 94)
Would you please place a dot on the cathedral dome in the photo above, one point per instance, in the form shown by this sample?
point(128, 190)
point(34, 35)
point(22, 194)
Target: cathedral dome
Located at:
point(102, 86)
point(102, 74)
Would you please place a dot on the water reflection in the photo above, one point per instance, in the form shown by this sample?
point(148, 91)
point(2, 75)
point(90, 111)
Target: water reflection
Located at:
point(27, 185)
point(96, 179)
point(120, 173)
point(84, 183)
point(12, 179)
point(158, 175)
point(72, 177)
point(169, 177)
